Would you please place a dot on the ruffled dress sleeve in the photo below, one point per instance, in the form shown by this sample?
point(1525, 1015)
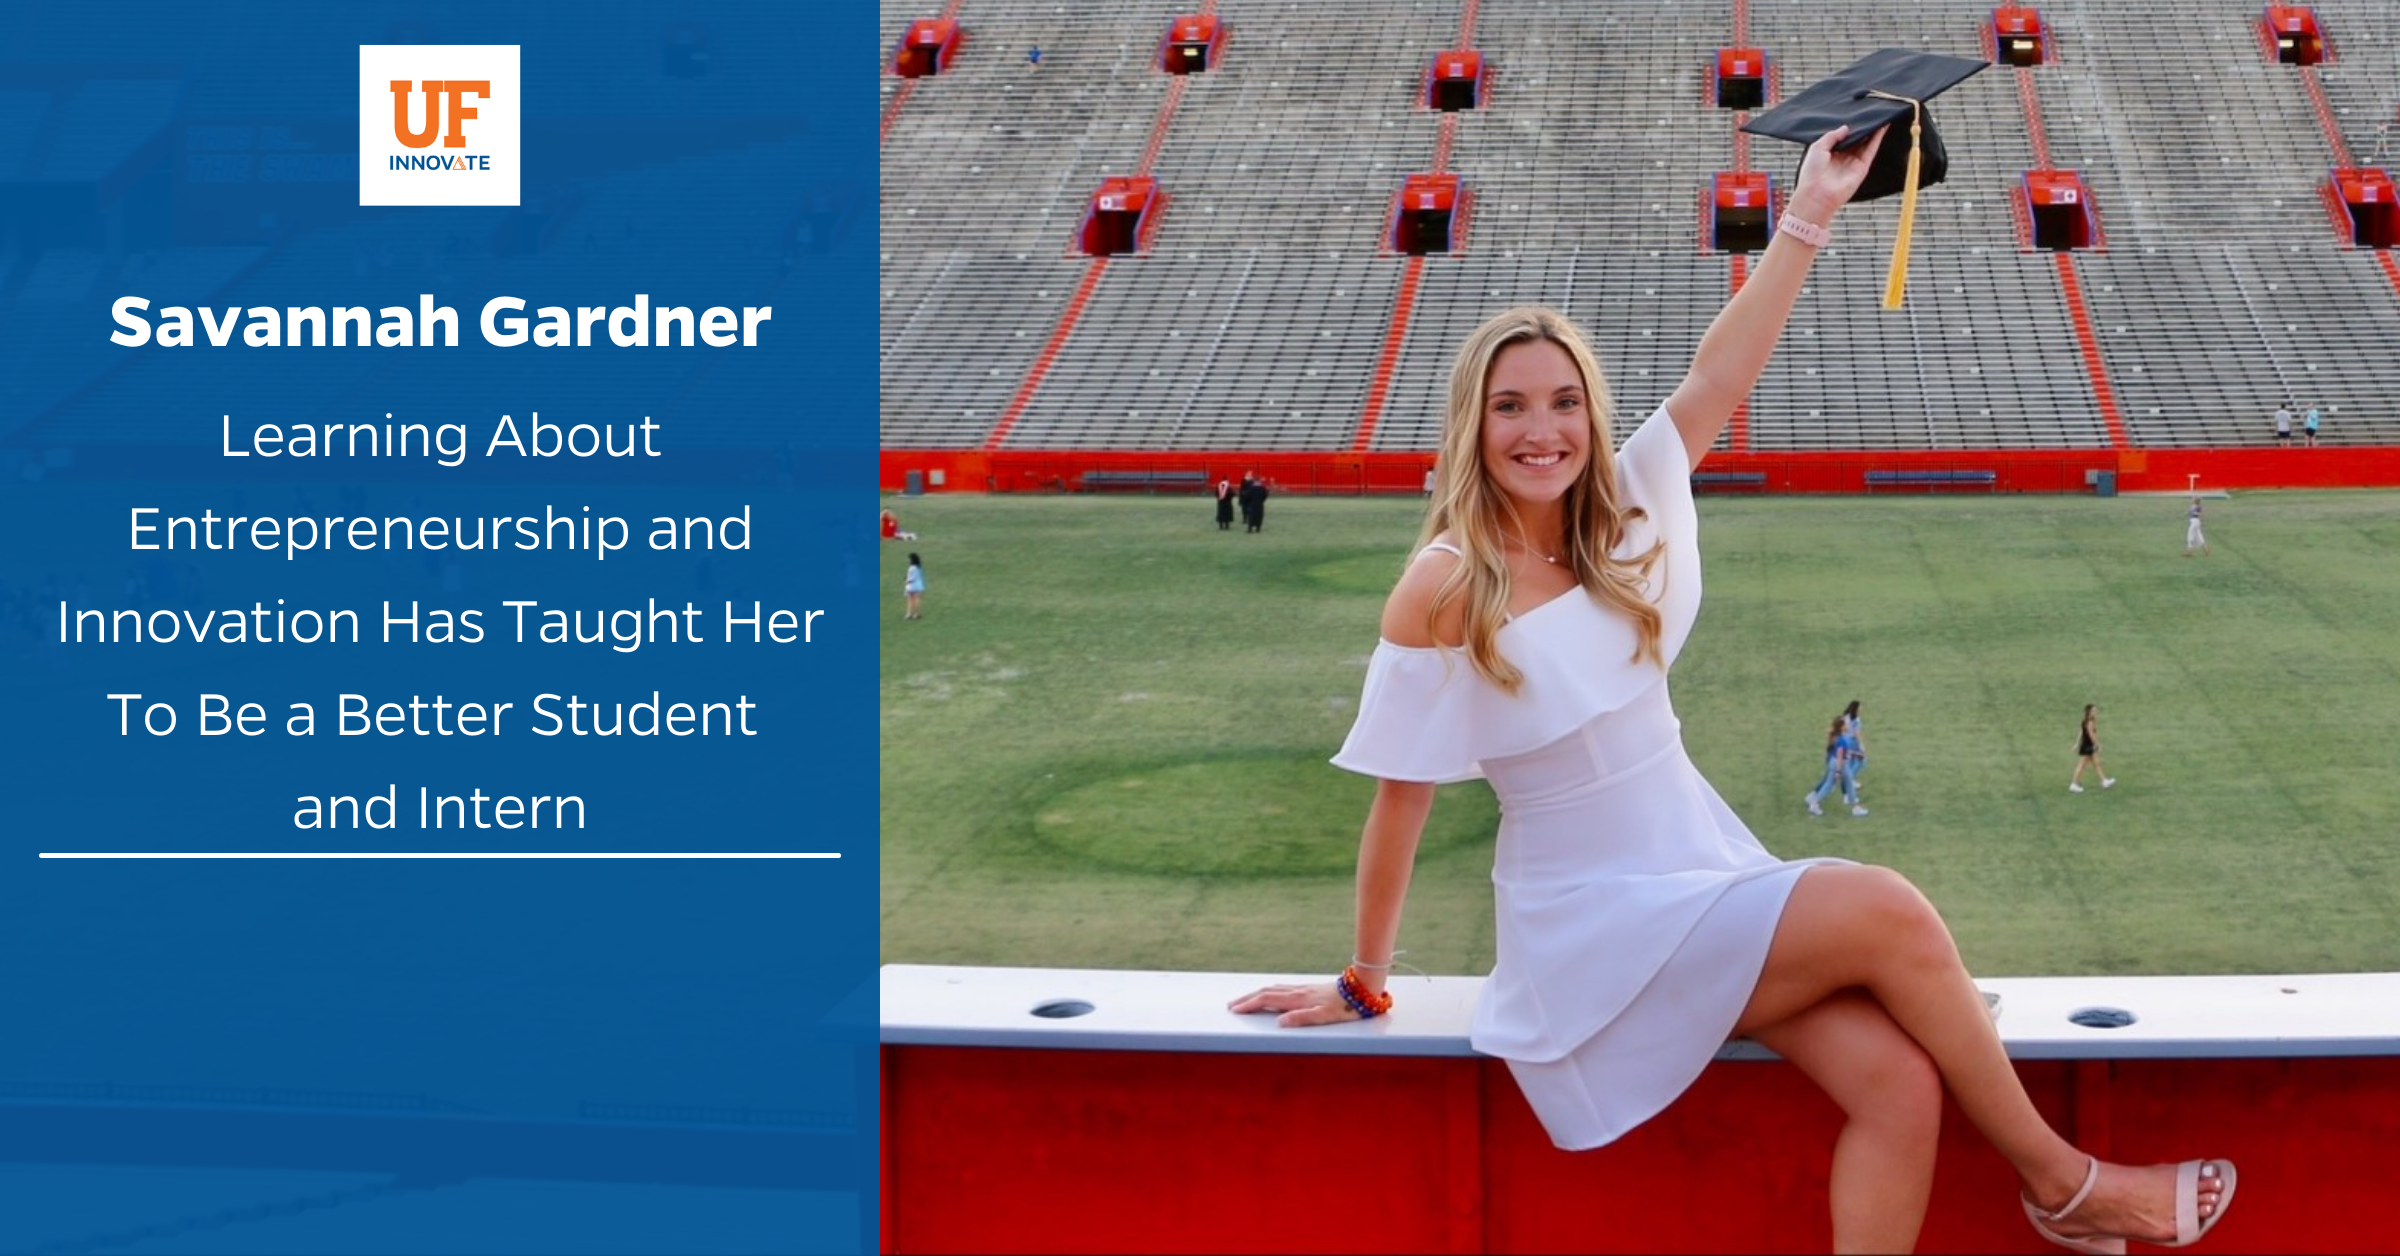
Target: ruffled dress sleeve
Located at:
point(1427, 715)
point(1654, 472)
point(1415, 716)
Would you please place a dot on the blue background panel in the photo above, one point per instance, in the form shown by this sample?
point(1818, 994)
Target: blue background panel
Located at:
point(419, 1055)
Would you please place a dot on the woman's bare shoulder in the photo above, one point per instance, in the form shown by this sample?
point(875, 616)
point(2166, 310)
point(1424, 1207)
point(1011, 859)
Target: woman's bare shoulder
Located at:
point(1407, 614)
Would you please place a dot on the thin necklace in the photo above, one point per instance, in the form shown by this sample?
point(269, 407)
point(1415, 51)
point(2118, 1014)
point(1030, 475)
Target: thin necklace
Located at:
point(1527, 546)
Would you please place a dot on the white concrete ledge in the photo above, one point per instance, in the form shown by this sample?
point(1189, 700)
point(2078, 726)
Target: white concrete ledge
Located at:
point(2316, 1014)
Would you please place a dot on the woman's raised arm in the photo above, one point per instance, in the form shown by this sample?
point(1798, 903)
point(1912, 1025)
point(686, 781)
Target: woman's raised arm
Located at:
point(1739, 342)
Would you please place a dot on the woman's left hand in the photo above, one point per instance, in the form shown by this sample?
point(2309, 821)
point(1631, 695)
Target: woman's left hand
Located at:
point(1828, 179)
point(1300, 1005)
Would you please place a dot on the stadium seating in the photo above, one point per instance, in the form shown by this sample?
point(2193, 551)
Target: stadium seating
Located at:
point(1259, 316)
point(2222, 294)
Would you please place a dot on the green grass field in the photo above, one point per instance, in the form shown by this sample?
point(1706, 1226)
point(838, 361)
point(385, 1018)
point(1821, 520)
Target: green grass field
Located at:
point(1105, 744)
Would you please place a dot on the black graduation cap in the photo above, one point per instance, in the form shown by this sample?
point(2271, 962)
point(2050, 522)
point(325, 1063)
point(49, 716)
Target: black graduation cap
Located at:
point(1888, 86)
point(1882, 88)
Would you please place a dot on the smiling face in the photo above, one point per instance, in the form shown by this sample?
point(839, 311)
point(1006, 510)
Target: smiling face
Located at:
point(1537, 423)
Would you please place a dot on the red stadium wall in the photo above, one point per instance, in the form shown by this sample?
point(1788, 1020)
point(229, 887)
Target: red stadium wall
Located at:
point(2016, 471)
point(1030, 1150)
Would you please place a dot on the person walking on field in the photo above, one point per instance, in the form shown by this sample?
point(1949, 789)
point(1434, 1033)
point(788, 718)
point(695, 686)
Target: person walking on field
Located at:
point(1225, 506)
point(1639, 924)
point(2193, 537)
point(913, 585)
point(1840, 769)
point(1858, 745)
point(2087, 751)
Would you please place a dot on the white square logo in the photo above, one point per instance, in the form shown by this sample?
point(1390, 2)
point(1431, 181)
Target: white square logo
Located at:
point(437, 124)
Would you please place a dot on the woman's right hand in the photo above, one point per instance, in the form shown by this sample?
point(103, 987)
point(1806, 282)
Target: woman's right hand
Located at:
point(1300, 1006)
point(1829, 178)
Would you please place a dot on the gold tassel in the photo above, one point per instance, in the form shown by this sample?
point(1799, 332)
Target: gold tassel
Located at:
point(1895, 282)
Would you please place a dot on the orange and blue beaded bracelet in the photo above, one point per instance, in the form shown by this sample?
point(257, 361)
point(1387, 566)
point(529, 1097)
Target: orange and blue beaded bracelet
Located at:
point(1367, 1006)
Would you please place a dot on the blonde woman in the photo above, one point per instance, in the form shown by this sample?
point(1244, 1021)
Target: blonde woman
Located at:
point(1640, 925)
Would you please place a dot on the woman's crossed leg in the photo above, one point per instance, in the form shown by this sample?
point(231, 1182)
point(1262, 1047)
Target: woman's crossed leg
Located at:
point(1851, 934)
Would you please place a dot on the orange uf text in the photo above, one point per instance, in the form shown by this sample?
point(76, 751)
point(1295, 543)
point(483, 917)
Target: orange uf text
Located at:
point(436, 90)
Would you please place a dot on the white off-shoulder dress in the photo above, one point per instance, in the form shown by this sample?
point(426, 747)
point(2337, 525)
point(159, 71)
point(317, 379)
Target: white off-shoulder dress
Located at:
point(1634, 907)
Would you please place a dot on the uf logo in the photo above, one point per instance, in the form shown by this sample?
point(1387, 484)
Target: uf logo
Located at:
point(435, 90)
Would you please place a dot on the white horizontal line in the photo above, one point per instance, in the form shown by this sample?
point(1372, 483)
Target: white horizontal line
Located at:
point(433, 854)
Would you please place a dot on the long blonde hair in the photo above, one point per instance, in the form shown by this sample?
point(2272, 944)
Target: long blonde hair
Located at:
point(1468, 507)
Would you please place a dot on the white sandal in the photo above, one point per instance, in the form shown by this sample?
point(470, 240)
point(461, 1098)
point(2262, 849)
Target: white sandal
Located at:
point(2190, 1226)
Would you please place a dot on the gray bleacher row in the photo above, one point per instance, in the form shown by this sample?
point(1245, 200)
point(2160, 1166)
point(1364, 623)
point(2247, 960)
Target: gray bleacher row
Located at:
point(1586, 174)
point(2362, 83)
point(1181, 349)
point(1302, 150)
point(2223, 293)
point(1586, 171)
point(1644, 312)
point(1596, 137)
point(998, 157)
point(1175, 353)
point(960, 331)
point(1982, 354)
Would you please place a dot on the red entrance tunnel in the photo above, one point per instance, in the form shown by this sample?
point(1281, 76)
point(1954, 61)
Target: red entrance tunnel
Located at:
point(1192, 44)
point(2019, 36)
point(1118, 218)
point(1740, 205)
point(926, 48)
point(2061, 210)
point(1425, 215)
point(2292, 34)
point(1455, 81)
point(1738, 79)
point(2373, 204)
